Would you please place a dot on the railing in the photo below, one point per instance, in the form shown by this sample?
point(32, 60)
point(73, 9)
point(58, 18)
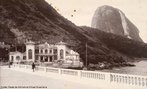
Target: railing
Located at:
point(69, 72)
point(93, 75)
point(52, 70)
point(22, 66)
point(109, 78)
point(15, 65)
point(129, 79)
point(39, 68)
point(28, 67)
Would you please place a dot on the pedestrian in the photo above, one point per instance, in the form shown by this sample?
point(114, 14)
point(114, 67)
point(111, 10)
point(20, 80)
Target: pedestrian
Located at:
point(9, 64)
point(33, 66)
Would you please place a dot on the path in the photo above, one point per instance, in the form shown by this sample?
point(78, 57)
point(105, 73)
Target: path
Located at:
point(32, 80)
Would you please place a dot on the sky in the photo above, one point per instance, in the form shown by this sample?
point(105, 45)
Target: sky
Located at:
point(80, 12)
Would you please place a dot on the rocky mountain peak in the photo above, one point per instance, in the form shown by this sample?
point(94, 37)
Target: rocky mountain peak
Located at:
point(113, 20)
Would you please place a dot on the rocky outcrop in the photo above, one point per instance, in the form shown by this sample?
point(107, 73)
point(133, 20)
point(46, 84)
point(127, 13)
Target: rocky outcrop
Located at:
point(112, 20)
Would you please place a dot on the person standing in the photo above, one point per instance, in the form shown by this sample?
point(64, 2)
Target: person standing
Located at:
point(33, 66)
point(9, 64)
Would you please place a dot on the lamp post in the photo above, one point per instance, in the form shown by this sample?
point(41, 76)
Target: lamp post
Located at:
point(8, 49)
point(86, 64)
point(86, 56)
point(15, 41)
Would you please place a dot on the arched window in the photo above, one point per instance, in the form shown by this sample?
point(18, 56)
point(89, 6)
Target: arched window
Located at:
point(41, 59)
point(24, 57)
point(46, 59)
point(37, 51)
point(61, 54)
point(50, 50)
point(30, 54)
point(41, 51)
point(12, 58)
point(46, 51)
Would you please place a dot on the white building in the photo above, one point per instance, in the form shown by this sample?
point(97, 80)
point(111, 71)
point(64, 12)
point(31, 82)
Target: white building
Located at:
point(45, 53)
point(16, 57)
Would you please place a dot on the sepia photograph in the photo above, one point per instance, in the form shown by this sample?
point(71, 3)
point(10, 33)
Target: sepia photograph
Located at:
point(73, 44)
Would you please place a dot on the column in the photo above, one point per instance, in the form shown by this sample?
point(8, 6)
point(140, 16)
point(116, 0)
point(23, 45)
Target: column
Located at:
point(39, 58)
point(52, 51)
point(43, 51)
point(132, 80)
point(58, 54)
point(43, 58)
point(53, 57)
point(10, 58)
point(48, 59)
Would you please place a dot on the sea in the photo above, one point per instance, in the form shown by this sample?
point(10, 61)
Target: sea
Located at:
point(139, 69)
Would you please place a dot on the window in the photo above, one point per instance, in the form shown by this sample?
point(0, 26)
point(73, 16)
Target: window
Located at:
point(50, 50)
point(24, 57)
point(41, 59)
point(18, 58)
point(37, 51)
point(46, 59)
point(46, 51)
point(41, 51)
point(55, 51)
point(30, 54)
point(51, 58)
point(61, 54)
point(12, 58)
point(55, 57)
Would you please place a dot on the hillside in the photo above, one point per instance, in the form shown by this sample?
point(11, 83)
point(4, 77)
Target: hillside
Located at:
point(38, 21)
point(121, 44)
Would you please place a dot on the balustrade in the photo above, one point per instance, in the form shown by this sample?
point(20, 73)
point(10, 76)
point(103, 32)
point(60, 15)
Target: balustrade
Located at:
point(132, 80)
point(69, 72)
point(40, 68)
point(21, 66)
point(28, 67)
point(128, 79)
point(53, 70)
point(93, 75)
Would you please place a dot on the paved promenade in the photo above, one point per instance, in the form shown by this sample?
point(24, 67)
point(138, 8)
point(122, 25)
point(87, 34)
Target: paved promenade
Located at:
point(16, 78)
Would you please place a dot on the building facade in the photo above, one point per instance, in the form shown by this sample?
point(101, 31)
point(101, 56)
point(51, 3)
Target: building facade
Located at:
point(45, 52)
point(16, 57)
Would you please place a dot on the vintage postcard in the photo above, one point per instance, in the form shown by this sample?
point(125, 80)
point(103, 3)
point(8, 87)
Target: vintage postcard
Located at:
point(73, 44)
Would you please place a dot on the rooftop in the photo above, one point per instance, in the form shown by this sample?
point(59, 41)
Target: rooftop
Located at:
point(30, 42)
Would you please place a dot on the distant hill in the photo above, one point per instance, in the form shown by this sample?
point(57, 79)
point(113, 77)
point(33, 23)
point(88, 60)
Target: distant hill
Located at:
point(121, 44)
point(40, 22)
point(113, 20)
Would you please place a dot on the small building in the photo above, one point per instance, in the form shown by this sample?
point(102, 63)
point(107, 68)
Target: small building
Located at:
point(72, 56)
point(16, 57)
point(46, 53)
